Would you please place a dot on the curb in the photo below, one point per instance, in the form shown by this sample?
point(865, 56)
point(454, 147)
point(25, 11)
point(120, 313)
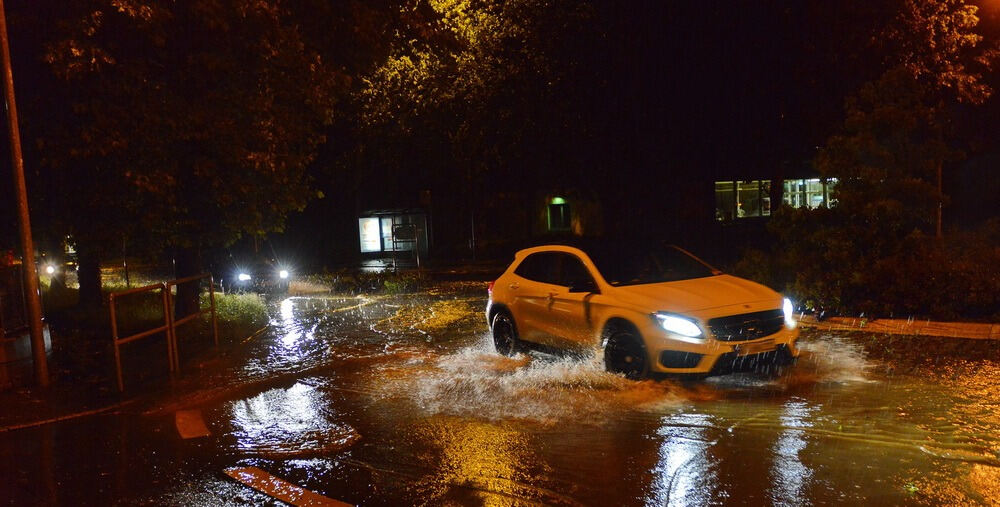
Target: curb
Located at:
point(911, 327)
point(32, 424)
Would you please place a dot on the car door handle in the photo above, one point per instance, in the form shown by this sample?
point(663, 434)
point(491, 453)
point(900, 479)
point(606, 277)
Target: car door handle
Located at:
point(514, 286)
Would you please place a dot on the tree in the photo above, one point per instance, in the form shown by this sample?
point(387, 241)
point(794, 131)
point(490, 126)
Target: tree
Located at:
point(487, 93)
point(887, 158)
point(178, 124)
point(935, 43)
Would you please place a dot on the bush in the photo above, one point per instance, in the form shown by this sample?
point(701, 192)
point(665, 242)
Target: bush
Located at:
point(827, 263)
point(238, 315)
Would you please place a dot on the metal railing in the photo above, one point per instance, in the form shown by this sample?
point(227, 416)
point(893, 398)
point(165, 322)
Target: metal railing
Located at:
point(173, 323)
point(165, 328)
point(170, 323)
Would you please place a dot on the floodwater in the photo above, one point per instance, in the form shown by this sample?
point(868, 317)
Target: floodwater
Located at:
point(396, 400)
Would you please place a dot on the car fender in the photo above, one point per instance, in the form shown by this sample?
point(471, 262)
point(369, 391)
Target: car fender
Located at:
point(636, 318)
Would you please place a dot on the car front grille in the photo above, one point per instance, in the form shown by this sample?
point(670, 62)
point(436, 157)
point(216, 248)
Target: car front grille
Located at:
point(747, 326)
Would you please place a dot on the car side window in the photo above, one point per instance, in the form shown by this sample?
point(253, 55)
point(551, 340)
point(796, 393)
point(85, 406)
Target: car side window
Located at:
point(574, 273)
point(540, 267)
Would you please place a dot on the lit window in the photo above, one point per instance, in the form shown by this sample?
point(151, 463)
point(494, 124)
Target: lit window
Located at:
point(742, 199)
point(808, 193)
point(725, 201)
point(370, 235)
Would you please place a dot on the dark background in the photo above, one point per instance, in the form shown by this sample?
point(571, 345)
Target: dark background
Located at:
point(672, 96)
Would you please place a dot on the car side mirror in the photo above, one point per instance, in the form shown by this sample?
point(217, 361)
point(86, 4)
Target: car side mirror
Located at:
point(584, 286)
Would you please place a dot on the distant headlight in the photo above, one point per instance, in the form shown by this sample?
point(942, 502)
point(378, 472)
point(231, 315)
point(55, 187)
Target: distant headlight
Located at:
point(678, 325)
point(243, 277)
point(50, 269)
point(789, 311)
point(283, 274)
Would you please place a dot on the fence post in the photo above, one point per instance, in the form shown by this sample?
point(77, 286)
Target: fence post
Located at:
point(114, 337)
point(171, 332)
point(211, 298)
point(171, 338)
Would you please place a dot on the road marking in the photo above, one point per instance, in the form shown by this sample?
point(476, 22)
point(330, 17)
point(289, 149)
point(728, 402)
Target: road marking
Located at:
point(190, 424)
point(279, 488)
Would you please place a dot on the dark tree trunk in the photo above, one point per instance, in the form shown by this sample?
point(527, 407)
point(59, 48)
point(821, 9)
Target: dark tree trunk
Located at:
point(188, 263)
point(89, 276)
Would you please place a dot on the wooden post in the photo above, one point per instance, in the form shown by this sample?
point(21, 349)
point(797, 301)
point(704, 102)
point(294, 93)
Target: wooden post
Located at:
point(30, 273)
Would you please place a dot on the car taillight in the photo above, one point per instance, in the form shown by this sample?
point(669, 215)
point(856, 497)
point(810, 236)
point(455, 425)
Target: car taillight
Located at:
point(489, 287)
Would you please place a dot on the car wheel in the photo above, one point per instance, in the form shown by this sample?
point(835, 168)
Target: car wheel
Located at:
point(625, 354)
point(504, 334)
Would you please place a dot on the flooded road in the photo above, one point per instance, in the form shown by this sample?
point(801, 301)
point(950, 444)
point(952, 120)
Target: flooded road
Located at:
point(396, 400)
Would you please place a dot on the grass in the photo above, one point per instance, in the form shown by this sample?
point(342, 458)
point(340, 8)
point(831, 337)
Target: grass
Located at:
point(238, 315)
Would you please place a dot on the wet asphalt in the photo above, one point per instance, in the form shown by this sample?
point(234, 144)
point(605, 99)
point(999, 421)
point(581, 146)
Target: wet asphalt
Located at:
point(400, 400)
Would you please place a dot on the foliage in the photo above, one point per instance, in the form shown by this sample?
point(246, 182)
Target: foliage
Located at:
point(935, 42)
point(484, 92)
point(886, 155)
point(873, 252)
point(238, 315)
point(203, 113)
point(824, 266)
point(172, 124)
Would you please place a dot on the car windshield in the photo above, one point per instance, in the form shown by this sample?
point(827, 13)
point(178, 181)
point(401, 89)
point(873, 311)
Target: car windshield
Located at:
point(623, 265)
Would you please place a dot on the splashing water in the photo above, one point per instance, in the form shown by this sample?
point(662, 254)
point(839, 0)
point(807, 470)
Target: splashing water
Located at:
point(833, 359)
point(476, 381)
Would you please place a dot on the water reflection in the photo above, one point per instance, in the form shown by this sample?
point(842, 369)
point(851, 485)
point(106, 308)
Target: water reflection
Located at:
point(288, 422)
point(484, 464)
point(789, 476)
point(291, 329)
point(686, 472)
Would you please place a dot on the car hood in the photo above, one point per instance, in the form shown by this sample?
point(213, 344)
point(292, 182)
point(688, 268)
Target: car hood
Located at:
point(687, 296)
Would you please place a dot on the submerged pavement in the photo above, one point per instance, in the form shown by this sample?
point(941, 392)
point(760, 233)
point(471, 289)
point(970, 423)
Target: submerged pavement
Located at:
point(399, 399)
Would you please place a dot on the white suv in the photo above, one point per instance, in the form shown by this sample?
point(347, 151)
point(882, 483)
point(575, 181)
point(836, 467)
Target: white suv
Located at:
point(657, 309)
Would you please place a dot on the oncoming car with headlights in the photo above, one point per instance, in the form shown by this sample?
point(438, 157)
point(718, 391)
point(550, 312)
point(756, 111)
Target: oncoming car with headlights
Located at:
point(652, 309)
point(265, 276)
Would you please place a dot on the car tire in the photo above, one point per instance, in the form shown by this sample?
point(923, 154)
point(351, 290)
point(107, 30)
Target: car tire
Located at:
point(504, 334)
point(625, 354)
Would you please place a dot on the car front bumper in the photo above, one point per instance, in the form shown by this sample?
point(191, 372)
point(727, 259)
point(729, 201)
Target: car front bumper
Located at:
point(712, 357)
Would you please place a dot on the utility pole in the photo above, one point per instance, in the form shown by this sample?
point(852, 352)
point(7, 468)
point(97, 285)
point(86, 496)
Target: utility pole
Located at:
point(30, 272)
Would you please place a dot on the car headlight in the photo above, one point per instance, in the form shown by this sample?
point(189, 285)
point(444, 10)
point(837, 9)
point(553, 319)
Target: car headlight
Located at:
point(789, 311)
point(50, 269)
point(678, 325)
point(283, 274)
point(243, 277)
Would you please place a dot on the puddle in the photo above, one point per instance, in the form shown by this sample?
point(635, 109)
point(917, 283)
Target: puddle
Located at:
point(287, 422)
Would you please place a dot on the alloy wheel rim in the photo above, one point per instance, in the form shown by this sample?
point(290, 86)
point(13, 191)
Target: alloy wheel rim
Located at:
point(503, 337)
point(626, 360)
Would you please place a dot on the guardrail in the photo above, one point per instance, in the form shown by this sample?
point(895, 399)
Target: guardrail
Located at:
point(165, 328)
point(170, 323)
